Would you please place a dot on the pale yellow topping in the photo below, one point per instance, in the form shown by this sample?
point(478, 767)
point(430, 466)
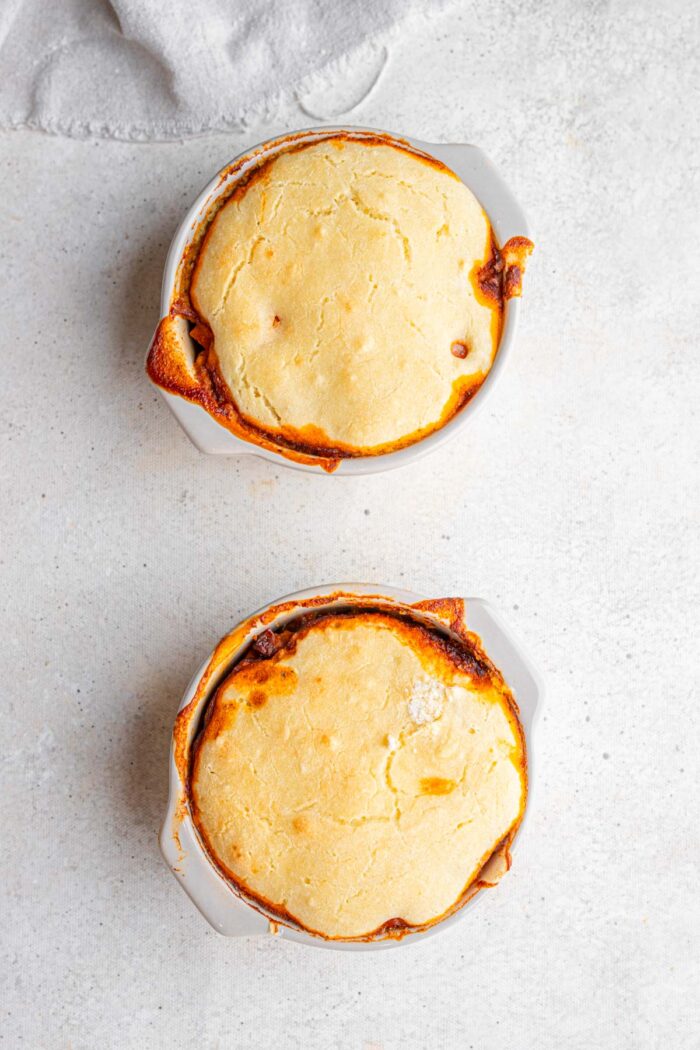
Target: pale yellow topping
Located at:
point(320, 790)
point(336, 286)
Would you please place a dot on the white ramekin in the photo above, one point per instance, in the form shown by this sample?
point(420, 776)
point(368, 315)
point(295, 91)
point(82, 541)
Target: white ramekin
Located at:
point(505, 214)
point(184, 854)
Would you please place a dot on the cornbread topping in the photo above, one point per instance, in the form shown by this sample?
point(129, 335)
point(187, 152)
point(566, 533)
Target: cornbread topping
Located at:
point(359, 772)
point(347, 301)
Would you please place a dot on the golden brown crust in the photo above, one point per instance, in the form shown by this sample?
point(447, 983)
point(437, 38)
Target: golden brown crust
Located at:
point(467, 655)
point(181, 303)
point(311, 441)
point(205, 385)
point(202, 381)
point(450, 610)
point(230, 643)
point(393, 929)
point(259, 667)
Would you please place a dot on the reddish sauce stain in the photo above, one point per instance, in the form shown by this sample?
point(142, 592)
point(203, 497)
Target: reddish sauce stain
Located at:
point(502, 276)
point(267, 643)
point(202, 334)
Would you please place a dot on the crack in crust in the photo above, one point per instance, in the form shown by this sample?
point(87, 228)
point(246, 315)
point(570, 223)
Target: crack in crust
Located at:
point(255, 390)
point(233, 277)
point(372, 213)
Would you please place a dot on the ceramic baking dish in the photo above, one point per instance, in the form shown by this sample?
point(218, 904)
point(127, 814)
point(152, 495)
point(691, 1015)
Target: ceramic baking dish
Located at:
point(472, 166)
point(226, 910)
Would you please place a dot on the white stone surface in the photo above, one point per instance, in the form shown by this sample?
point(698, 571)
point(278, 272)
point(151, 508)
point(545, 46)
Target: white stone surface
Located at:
point(567, 502)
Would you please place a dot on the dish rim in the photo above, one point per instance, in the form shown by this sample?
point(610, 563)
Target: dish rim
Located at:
point(472, 167)
point(218, 901)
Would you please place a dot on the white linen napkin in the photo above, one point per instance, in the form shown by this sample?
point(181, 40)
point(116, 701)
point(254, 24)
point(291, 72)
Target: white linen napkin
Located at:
point(160, 69)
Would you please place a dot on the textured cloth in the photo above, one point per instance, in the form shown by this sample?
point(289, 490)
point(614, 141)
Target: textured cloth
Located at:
point(138, 69)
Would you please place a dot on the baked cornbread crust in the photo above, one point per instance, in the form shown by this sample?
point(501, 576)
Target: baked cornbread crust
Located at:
point(358, 772)
point(337, 299)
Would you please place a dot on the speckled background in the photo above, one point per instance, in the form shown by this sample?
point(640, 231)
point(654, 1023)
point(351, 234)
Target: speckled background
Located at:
point(568, 503)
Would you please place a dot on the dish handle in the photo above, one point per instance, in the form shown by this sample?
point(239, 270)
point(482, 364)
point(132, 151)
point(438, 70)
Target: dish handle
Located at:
point(215, 899)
